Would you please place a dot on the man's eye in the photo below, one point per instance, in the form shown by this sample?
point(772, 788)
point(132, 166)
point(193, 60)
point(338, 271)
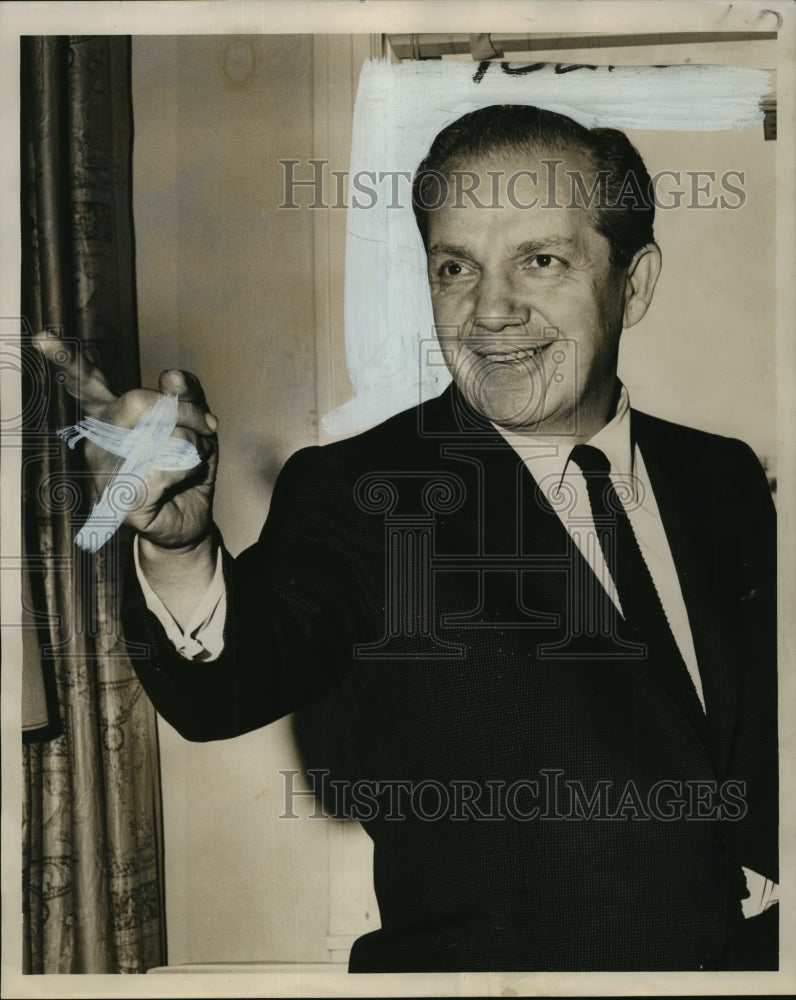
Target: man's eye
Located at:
point(451, 269)
point(545, 262)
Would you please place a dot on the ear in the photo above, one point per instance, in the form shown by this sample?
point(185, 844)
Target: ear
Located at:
point(642, 275)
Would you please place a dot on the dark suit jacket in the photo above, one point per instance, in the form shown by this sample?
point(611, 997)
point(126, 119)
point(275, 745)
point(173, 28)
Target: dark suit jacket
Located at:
point(414, 580)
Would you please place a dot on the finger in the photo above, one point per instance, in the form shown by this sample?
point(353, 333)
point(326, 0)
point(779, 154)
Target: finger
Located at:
point(195, 418)
point(159, 482)
point(205, 444)
point(132, 407)
point(82, 379)
point(188, 389)
point(183, 384)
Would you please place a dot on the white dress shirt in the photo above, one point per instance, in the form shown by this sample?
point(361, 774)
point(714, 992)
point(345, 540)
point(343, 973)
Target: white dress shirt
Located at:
point(203, 637)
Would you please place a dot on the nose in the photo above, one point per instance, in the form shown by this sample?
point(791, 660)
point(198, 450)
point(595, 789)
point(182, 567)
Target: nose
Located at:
point(498, 306)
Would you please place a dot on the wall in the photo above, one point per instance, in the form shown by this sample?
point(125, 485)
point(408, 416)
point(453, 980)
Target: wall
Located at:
point(226, 290)
point(225, 279)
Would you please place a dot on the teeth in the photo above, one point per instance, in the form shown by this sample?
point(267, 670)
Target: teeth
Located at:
point(513, 355)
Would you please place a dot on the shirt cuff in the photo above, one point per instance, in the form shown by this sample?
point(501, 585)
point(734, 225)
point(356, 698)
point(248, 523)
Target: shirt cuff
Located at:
point(203, 637)
point(762, 894)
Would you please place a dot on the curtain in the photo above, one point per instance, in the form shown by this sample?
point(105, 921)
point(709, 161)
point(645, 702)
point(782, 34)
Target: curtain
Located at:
point(92, 869)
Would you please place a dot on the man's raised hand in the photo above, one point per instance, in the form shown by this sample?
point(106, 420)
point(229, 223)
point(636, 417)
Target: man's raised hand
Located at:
point(173, 506)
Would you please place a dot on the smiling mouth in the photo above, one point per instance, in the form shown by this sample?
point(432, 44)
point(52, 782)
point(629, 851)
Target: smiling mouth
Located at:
point(509, 356)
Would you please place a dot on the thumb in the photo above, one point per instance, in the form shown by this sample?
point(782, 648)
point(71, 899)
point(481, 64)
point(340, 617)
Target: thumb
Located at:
point(184, 385)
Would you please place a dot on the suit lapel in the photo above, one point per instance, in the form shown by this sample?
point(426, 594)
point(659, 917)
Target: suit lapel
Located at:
point(521, 542)
point(684, 492)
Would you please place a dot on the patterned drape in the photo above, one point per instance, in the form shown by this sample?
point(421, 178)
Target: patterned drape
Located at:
point(92, 872)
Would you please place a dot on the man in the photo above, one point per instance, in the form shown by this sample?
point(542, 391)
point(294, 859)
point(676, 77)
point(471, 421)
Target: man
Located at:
point(542, 622)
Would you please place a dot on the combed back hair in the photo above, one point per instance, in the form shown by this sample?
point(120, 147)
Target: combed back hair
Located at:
point(623, 210)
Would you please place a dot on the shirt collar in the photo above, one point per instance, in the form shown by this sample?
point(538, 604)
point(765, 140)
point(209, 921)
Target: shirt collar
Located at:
point(547, 460)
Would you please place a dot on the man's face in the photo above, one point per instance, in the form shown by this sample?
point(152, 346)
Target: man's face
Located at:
point(527, 304)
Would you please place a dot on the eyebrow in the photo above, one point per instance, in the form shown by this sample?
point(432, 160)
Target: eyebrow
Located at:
point(544, 245)
point(448, 250)
point(526, 249)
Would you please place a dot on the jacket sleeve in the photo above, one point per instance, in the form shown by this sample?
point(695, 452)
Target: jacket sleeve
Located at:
point(297, 602)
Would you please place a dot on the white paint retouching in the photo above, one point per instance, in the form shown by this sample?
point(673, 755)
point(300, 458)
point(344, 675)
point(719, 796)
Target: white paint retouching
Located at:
point(147, 447)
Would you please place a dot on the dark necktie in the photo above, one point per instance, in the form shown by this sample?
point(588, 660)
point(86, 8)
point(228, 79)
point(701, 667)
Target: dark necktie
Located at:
point(641, 604)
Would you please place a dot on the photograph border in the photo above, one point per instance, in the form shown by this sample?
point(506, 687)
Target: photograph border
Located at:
point(397, 16)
